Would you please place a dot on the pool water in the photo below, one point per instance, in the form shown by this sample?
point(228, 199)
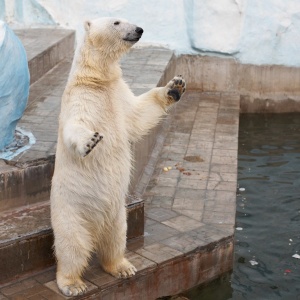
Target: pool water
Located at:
point(268, 213)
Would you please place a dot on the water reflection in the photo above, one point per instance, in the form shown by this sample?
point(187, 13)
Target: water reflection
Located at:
point(269, 170)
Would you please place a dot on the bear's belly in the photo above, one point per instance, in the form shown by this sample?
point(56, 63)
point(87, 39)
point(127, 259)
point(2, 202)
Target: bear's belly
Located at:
point(102, 174)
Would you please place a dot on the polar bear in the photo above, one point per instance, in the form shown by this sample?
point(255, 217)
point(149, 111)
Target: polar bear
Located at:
point(100, 118)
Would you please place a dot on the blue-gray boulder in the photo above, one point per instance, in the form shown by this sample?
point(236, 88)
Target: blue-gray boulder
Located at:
point(14, 83)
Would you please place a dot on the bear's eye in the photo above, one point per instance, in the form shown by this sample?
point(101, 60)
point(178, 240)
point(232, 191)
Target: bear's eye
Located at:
point(117, 23)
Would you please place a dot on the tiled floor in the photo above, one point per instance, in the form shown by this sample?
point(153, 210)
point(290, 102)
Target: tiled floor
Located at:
point(187, 207)
point(201, 152)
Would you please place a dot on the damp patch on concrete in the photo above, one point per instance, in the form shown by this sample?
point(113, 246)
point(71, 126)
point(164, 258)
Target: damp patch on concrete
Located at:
point(195, 158)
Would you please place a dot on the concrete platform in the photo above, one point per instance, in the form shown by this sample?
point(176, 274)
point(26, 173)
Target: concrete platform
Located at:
point(190, 210)
point(26, 238)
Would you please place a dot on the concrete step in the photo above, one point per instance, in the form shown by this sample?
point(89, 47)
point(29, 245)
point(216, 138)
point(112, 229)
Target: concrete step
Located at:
point(26, 238)
point(25, 241)
point(45, 48)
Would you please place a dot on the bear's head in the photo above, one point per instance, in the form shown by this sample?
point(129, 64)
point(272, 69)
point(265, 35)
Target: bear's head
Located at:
point(111, 34)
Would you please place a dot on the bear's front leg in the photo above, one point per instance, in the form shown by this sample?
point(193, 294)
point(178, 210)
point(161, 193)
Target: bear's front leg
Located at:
point(112, 245)
point(80, 139)
point(148, 108)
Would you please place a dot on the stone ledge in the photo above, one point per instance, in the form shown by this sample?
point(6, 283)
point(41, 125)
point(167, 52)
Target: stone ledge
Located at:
point(26, 238)
point(168, 273)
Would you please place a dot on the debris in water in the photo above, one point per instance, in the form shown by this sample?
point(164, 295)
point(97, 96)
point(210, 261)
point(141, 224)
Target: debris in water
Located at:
point(241, 260)
point(242, 189)
point(296, 256)
point(239, 228)
point(253, 262)
point(290, 240)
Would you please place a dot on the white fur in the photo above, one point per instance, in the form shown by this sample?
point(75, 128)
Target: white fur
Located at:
point(89, 189)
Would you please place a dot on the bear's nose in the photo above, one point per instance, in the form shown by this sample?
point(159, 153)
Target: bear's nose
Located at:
point(139, 30)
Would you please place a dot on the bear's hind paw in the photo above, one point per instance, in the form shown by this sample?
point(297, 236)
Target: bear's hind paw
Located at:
point(127, 272)
point(124, 270)
point(91, 144)
point(79, 288)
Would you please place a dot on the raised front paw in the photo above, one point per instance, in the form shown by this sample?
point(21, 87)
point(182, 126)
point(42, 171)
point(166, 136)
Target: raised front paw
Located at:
point(91, 143)
point(175, 89)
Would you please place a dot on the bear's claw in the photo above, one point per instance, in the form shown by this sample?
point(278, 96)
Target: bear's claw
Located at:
point(175, 89)
point(92, 143)
point(129, 272)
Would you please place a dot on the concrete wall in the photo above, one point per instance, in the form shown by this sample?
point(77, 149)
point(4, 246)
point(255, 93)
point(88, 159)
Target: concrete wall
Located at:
point(263, 88)
point(250, 31)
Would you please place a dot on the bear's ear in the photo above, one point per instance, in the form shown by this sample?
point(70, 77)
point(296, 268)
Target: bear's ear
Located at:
point(87, 25)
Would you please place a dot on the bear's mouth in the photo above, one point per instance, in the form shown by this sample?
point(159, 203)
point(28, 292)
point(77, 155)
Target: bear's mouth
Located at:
point(131, 39)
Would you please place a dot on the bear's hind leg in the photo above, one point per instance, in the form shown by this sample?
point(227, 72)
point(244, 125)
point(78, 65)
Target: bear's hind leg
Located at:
point(73, 248)
point(111, 248)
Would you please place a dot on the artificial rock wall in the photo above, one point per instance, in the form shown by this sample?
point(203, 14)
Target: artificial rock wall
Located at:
point(250, 31)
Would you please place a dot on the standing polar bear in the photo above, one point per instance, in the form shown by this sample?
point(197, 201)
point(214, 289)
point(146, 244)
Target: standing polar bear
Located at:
point(99, 119)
